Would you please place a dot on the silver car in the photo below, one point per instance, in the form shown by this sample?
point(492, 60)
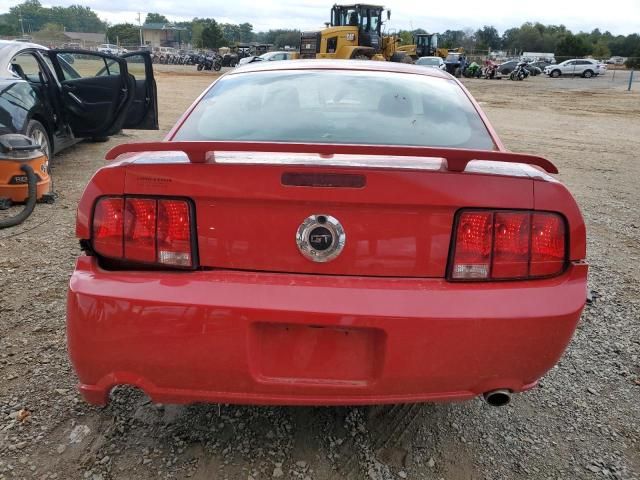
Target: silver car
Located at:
point(584, 67)
point(432, 62)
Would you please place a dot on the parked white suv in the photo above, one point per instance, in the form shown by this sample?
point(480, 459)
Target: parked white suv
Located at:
point(584, 67)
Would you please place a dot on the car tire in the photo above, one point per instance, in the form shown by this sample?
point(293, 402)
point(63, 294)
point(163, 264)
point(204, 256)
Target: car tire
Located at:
point(555, 73)
point(587, 74)
point(37, 132)
point(398, 57)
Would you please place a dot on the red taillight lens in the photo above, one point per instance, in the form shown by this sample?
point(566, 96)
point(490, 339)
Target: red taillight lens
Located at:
point(140, 229)
point(511, 245)
point(144, 230)
point(473, 245)
point(547, 244)
point(108, 219)
point(174, 233)
point(499, 245)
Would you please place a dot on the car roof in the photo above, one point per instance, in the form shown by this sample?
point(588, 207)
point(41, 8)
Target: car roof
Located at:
point(9, 49)
point(340, 65)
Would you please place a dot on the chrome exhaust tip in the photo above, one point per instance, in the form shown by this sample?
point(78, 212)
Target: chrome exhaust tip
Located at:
point(497, 398)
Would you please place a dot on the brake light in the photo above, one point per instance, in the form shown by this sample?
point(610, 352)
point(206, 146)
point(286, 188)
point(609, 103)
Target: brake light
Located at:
point(108, 219)
point(144, 230)
point(174, 233)
point(501, 245)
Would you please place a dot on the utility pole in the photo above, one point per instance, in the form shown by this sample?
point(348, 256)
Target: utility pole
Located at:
point(140, 25)
point(21, 24)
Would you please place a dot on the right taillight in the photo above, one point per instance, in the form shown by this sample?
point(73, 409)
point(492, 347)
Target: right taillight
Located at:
point(144, 230)
point(507, 245)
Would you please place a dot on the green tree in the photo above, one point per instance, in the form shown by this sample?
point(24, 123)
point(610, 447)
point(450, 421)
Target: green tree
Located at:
point(212, 36)
point(572, 46)
point(452, 38)
point(75, 18)
point(50, 31)
point(8, 30)
point(634, 60)
point(406, 37)
point(155, 18)
point(246, 32)
point(601, 50)
point(290, 38)
point(488, 38)
point(230, 32)
point(125, 33)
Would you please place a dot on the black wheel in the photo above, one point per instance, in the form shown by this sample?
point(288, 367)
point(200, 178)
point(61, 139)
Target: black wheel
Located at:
point(200, 67)
point(556, 73)
point(457, 72)
point(587, 74)
point(37, 132)
point(399, 57)
point(217, 66)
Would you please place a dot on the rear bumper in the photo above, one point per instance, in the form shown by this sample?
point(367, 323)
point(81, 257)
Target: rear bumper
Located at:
point(260, 338)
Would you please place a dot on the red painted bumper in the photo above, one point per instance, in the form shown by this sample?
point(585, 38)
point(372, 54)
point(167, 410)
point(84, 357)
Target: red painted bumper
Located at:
point(260, 338)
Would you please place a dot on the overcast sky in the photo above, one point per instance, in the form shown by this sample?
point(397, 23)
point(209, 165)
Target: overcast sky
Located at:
point(617, 16)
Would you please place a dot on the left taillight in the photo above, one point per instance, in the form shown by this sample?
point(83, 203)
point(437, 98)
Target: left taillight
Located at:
point(507, 245)
point(142, 230)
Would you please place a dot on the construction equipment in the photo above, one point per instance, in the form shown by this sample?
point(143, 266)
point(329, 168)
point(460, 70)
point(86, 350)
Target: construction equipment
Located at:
point(424, 45)
point(24, 176)
point(355, 32)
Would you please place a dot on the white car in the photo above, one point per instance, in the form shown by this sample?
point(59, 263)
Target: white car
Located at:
point(431, 62)
point(109, 48)
point(269, 57)
point(585, 67)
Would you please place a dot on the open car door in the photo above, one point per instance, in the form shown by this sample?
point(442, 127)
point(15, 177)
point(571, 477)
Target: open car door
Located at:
point(94, 96)
point(99, 94)
point(143, 112)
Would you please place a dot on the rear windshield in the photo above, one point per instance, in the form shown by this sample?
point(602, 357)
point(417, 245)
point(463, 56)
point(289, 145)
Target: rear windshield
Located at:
point(337, 107)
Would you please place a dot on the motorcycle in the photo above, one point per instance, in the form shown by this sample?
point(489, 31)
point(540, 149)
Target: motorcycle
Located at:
point(520, 72)
point(473, 70)
point(490, 71)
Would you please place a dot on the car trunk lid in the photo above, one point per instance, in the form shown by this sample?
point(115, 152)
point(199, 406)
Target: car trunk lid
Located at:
point(397, 213)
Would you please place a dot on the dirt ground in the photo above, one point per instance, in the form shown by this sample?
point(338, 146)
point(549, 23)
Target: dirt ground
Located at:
point(582, 422)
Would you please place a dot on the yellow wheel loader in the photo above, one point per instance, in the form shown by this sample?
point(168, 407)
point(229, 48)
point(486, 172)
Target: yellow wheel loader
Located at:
point(424, 45)
point(354, 32)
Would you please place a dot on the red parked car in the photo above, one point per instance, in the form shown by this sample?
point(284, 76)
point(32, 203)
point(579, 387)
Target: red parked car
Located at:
point(325, 233)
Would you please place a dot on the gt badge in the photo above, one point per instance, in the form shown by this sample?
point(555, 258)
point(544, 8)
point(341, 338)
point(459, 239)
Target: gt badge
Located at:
point(321, 238)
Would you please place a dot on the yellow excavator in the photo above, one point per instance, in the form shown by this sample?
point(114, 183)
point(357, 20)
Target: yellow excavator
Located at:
point(354, 32)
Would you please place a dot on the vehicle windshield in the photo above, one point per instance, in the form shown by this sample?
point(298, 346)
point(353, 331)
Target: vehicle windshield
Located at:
point(327, 106)
point(453, 57)
point(428, 61)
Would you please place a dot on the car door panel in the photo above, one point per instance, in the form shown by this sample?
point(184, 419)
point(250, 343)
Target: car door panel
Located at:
point(94, 102)
point(143, 111)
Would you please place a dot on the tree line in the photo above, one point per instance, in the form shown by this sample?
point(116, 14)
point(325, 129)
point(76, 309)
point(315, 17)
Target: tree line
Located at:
point(33, 17)
point(208, 33)
point(536, 37)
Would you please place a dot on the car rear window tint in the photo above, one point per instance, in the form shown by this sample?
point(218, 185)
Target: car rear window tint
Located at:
point(338, 107)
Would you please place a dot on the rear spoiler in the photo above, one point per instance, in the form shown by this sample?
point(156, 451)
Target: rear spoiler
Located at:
point(457, 159)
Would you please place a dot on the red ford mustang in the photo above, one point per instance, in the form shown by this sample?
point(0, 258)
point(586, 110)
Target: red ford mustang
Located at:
point(325, 233)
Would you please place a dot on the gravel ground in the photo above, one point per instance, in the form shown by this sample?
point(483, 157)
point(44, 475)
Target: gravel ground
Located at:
point(583, 422)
